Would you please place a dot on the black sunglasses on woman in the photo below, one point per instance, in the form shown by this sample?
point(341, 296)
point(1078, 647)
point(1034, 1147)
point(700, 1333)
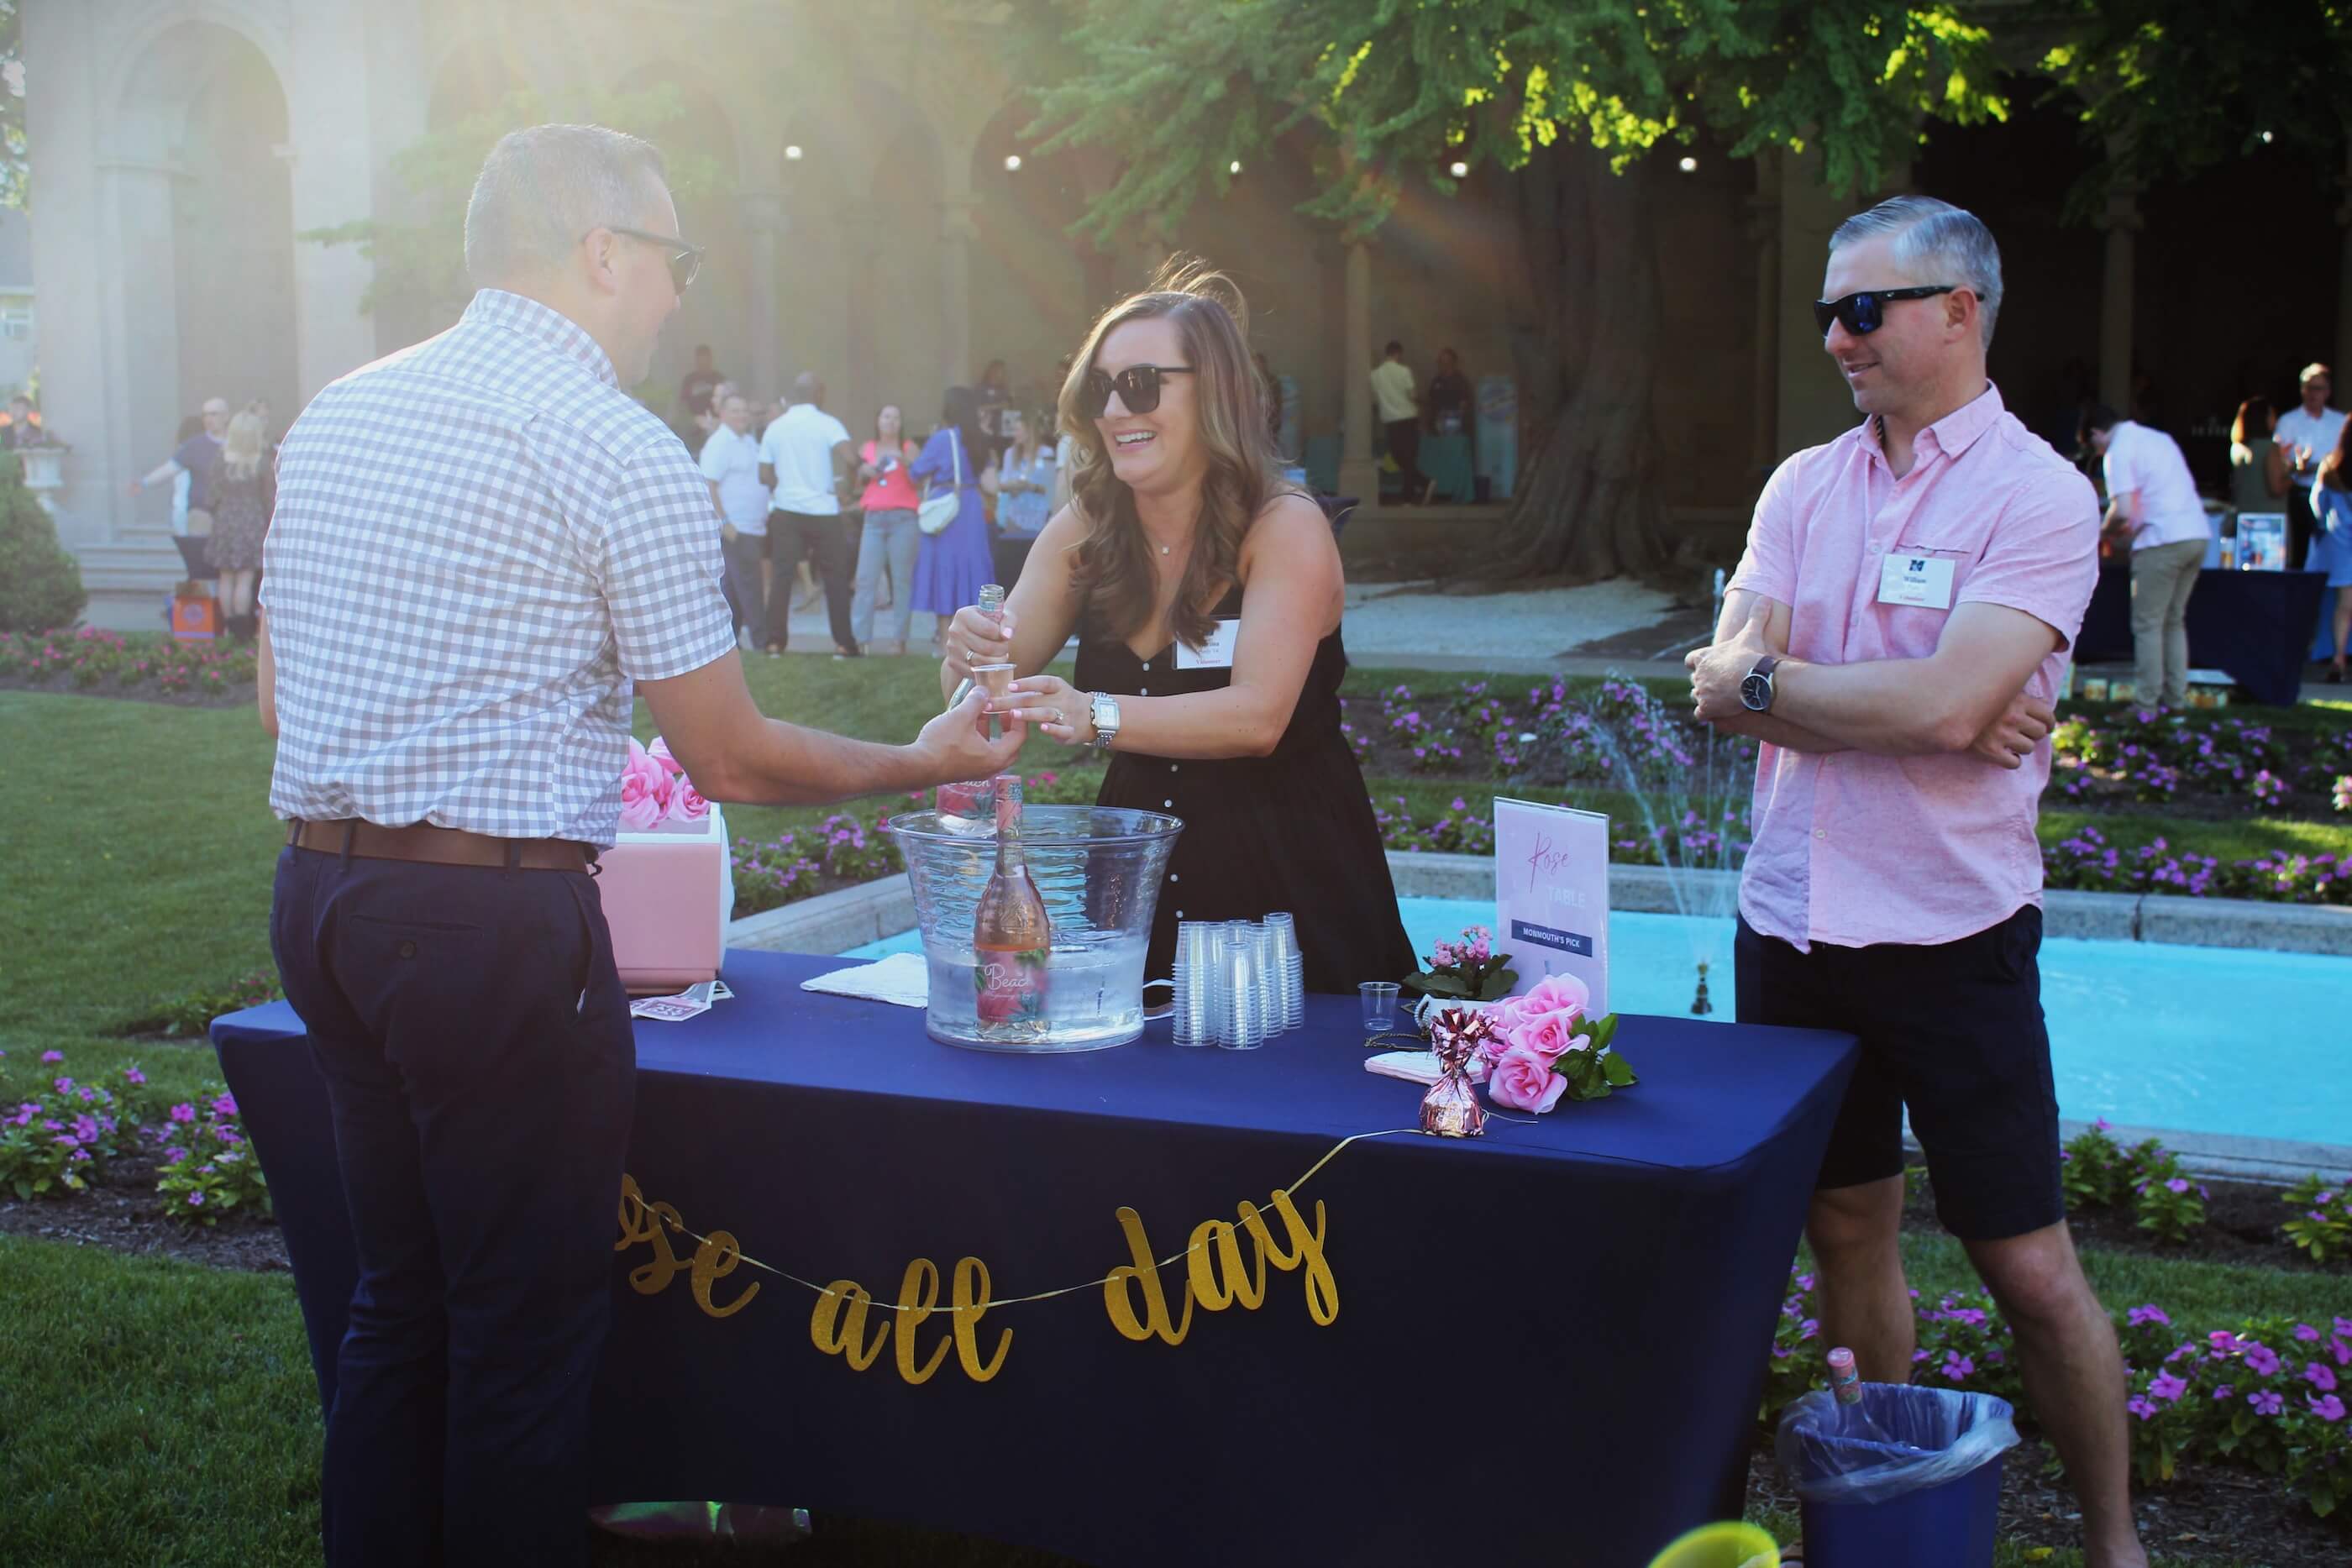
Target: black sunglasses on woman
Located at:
point(1138, 387)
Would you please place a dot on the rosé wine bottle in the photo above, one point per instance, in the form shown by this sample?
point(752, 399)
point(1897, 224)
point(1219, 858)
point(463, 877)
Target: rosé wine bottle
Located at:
point(1011, 937)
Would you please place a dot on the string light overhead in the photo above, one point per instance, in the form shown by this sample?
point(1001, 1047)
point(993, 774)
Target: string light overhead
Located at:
point(1013, 162)
point(792, 153)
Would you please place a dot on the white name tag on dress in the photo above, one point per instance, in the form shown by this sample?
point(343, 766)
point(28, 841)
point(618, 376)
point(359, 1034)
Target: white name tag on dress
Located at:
point(1919, 579)
point(1217, 652)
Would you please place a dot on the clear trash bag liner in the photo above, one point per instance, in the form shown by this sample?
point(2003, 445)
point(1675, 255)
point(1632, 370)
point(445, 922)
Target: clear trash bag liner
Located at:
point(1943, 1435)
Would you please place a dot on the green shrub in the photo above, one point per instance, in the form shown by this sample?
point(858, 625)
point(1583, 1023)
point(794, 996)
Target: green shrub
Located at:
point(40, 583)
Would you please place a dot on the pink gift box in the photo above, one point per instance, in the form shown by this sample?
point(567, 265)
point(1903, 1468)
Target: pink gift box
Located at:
point(667, 894)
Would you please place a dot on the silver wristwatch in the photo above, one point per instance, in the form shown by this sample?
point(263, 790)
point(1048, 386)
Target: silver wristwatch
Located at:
point(1102, 711)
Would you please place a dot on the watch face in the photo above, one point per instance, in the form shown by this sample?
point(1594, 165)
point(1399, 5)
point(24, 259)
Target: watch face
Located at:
point(1755, 693)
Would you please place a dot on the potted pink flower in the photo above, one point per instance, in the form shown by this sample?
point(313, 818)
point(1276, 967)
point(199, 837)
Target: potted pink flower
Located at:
point(1468, 970)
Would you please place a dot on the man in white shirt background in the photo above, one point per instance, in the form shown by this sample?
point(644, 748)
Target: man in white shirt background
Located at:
point(805, 459)
point(2305, 435)
point(1400, 411)
point(731, 461)
point(2152, 501)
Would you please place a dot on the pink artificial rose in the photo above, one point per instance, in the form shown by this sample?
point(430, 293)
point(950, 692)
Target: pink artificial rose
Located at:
point(1525, 1080)
point(686, 802)
point(645, 791)
point(1553, 993)
point(659, 752)
point(1548, 1035)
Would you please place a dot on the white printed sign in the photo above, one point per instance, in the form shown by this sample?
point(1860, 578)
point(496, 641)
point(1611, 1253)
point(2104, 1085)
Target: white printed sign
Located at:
point(1552, 894)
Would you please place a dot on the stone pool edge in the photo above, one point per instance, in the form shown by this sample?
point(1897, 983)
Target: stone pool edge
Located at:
point(833, 922)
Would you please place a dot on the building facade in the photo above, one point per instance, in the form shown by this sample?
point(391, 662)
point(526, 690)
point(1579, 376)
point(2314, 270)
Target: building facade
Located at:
point(878, 218)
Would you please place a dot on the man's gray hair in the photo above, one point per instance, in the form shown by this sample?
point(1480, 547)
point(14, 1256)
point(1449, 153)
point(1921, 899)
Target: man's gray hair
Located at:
point(1935, 236)
point(541, 189)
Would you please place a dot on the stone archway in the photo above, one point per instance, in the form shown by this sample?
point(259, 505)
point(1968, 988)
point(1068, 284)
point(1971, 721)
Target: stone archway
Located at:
point(207, 223)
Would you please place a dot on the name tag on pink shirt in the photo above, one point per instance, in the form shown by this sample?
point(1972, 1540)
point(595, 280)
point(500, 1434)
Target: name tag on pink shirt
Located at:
point(1921, 580)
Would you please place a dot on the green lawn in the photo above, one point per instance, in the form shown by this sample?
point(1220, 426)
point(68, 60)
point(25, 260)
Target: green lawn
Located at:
point(159, 1413)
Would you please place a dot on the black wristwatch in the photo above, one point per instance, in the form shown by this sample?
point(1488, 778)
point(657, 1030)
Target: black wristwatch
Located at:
point(1755, 686)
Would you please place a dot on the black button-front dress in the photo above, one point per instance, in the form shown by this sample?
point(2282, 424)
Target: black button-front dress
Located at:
point(1290, 831)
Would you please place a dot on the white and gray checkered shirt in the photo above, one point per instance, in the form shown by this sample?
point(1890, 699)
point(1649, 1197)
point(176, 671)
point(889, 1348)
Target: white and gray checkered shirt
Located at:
point(479, 543)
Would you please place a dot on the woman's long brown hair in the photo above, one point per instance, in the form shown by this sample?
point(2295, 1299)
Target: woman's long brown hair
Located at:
point(1112, 568)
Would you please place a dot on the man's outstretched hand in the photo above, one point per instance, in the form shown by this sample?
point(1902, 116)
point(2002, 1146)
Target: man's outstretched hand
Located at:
point(954, 747)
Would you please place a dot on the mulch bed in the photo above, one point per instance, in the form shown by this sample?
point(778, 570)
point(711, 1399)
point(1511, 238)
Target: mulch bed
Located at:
point(2241, 1227)
point(125, 1216)
point(242, 694)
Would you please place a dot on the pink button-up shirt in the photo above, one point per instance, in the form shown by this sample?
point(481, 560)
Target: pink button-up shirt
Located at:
point(1852, 849)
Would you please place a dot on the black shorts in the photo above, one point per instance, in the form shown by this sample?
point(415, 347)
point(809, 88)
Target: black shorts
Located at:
point(1955, 1031)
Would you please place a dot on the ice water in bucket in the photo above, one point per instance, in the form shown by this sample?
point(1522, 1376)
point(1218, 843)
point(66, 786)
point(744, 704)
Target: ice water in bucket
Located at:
point(1099, 870)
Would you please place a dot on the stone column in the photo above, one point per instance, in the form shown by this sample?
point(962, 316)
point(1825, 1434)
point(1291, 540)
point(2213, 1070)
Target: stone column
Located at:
point(1764, 235)
point(78, 273)
point(2121, 220)
point(1360, 473)
point(957, 231)
point(763, 222)
point(332, 183)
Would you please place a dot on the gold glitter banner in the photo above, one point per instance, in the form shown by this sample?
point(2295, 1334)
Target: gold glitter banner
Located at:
point(1224, 1265)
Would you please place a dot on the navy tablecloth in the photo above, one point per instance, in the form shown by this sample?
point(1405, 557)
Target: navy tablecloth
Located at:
point(1548, 1344)
point(2257, 625)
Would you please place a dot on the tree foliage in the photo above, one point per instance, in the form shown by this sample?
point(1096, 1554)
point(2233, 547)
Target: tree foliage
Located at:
point(419, 259)
point(1402, 89)
point(15, 168)
point(2169, 87)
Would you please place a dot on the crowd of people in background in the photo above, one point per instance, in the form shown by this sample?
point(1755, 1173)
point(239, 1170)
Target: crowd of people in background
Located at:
point(807, 511)
point(2293, 464)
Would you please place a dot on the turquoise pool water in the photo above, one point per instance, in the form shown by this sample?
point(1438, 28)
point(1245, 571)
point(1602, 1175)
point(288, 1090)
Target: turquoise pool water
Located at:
point(2210, 1039)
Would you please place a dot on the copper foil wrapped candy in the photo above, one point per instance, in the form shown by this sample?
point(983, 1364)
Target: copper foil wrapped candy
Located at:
point(1450, 1108)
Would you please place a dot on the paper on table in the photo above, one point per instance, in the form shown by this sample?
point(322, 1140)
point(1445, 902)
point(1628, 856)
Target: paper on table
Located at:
point(1416, 1066)
point(902, 979)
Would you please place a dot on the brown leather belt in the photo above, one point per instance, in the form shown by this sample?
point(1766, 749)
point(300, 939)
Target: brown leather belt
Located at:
point(429, 845)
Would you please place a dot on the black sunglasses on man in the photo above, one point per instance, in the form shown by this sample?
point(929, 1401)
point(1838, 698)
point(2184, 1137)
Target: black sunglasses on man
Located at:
point(684, 256)
point(1866, 312)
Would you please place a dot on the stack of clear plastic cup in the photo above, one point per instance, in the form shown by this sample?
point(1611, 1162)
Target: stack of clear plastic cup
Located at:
point(1242, 1023)
point(1266, 950)
point(1196, 981)
point(1293, 965)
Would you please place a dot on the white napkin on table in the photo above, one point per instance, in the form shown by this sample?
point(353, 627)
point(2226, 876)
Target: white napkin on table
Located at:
point(902, 979)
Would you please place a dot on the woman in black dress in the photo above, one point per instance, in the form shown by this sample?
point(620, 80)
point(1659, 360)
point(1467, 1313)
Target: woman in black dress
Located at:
point(243, 493)
point(1207, 599)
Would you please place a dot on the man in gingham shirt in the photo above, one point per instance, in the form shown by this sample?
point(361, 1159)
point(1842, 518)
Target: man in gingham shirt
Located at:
point(480, 545)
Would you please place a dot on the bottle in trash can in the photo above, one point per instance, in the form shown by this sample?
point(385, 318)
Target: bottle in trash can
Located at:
point(1853, 1421)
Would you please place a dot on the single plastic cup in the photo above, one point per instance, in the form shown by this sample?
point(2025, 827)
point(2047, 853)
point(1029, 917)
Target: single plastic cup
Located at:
point(1379, 998)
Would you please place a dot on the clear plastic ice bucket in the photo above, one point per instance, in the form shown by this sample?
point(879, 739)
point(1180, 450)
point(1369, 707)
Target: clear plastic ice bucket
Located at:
point(1099, 869)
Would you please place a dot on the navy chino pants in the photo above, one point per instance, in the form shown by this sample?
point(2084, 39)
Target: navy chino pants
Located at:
point(479, 1057)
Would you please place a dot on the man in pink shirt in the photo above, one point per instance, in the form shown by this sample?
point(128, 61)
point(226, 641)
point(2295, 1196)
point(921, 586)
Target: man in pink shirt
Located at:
point(1894, 638)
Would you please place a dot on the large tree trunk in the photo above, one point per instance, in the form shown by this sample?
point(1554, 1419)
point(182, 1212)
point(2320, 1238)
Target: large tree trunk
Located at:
point(1586, 506)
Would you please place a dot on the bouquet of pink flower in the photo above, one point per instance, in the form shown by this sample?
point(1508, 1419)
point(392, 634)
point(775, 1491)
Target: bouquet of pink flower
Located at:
point(1544, 1048)
point(1468, 970)
point(654, 789)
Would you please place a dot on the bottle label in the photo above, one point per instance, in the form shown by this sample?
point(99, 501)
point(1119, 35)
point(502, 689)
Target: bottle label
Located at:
point(1011, 986)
